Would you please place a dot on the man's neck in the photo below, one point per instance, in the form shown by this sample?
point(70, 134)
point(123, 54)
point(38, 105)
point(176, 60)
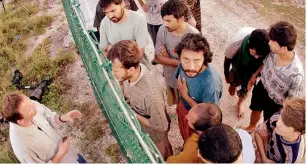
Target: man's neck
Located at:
point(136, 75)
point(286, 58)
point(26, 123)
point(291, 138)
point(125, 16)
point(181, 30)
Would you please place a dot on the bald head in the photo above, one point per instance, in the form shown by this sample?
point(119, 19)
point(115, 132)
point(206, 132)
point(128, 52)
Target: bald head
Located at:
point(203, 116)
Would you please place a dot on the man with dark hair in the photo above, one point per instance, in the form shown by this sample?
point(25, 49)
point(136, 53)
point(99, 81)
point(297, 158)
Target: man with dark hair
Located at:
point(122, 24)
point(281, 139)
point(200, 118)
point(220, 144)
point(282, 75)
point(198, 82)
point(168, 37)
point(245, 53)
point(129, 4)
point(142, 92)
point(32, 131)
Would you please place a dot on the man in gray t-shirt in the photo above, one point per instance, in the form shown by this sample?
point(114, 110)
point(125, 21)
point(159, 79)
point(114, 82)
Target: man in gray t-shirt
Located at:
point(168, 37)
point(122, 24)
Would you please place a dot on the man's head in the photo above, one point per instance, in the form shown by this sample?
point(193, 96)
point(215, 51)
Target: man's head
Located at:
point(18, 108)
point(203, 116)
point(113, 9)
point(194, 53)
point(220, 144)
point(259, 43)
point(173, 12)
point(283, 37)
point(125, 59)
point(292, 119)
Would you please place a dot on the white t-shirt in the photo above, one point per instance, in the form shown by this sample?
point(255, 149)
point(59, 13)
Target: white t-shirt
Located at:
point(88, 9)
point(236, 41)
point(248, 151)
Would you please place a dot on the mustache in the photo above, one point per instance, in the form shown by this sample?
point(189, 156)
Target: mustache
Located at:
point(190, 71)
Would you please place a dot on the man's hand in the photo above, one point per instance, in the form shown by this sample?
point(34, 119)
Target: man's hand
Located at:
point(182, 86)
point(71, 115)
point(145, 7)
point(163, 51)
point(232, 90)
point(63, 147)
point(227, 80)
point(251, 82)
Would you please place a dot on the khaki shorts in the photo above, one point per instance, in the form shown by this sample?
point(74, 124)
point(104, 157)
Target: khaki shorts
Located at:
point(172, 96)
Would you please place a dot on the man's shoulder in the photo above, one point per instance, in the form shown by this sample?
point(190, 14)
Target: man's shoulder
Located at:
point(191, 29)
point(136, 16)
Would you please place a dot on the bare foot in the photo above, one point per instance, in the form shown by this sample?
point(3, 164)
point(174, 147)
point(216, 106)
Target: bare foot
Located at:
point(248, 129)
point(240, 112)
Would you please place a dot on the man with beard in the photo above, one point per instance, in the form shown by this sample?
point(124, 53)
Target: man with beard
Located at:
point(122, 24)
point(143, 93)
point(129, 4)
point(198, 82)
point(168, 37)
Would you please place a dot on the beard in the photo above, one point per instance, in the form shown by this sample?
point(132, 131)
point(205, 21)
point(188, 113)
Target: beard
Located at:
point(117, 19)
point(172, 30)
point(196, 72)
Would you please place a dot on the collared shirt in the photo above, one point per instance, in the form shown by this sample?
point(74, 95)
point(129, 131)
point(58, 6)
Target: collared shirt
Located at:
point(146, 98)
point(280, 150)
point(39, 143)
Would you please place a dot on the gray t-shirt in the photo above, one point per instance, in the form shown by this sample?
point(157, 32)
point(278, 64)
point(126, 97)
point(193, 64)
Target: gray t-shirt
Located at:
point(170, 41)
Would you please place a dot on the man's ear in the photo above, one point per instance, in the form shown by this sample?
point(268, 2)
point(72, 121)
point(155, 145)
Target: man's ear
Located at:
point(123, 4)
point(181, 19)
point(19, 122)
point(131, 70)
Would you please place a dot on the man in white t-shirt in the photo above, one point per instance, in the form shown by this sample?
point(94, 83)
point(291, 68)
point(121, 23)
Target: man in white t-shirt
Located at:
point(122, 24)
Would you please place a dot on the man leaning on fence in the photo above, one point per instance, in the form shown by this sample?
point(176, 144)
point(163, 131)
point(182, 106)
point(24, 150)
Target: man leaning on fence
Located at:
point(142, 92)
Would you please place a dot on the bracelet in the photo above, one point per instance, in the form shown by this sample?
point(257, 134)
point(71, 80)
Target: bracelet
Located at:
point(61, 119)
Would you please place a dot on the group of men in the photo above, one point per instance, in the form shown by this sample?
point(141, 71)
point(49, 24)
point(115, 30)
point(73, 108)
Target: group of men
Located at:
point(254, 57)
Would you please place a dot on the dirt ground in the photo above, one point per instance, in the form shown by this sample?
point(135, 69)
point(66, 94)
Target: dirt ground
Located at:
point(221, 19)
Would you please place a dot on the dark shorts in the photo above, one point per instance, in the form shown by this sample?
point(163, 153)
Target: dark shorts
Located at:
point(262, 102)
point(153, 30)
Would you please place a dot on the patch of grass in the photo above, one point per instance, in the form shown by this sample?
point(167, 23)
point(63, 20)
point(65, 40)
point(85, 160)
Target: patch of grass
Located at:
point(16, 26)
point(114, 152)
point(7, 154)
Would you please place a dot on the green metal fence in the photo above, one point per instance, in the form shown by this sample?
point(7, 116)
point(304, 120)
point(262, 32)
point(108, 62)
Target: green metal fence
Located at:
point(134, 144)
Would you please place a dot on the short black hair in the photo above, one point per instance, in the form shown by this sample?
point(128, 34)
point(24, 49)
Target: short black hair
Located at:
point(259, 40)
point(174, 7)
point(127, 52)
point(196, 43)
point(284, 34)
point(220, 144)
point(208, 115)
point(106, 3)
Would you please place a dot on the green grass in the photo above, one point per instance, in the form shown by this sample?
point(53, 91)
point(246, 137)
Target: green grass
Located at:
point(16, 26)
point(114, 152)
